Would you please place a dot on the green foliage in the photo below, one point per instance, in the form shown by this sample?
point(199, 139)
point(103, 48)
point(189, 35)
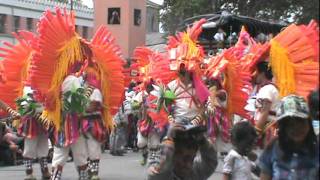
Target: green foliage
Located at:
point(26, 105)
point(169, 97)
point(135, 105)
point(74, 101)
point(166, 98)
point(300, 11)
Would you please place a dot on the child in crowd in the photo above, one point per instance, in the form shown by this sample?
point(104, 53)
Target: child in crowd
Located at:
point(294, 154)
point(237, 164)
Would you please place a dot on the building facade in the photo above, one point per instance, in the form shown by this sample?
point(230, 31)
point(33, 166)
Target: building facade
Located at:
point(152, 25)
point(18, 15)
point(24, 15)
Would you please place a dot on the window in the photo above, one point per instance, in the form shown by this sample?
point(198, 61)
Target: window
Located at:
point(114, 16)
point(16, 22)
point(137, 17)
point(77, 29)
point(30, 24)
point(85, 32)
point(3, 19)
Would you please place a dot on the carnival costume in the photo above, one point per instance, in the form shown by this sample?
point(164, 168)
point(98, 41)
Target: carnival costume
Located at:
point(57, 75)
point(294, 59)
point(152, 123)
point(233, 70)
point(16, 64)
point(188, 101)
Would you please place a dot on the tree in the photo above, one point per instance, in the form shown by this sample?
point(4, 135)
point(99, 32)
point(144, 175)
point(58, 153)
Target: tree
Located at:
point(300, 11)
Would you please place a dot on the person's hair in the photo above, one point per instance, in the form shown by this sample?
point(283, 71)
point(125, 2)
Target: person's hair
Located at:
point(313, 102)
point(263, 67)
point(149, 85)
point(286, 145)
point(185, 140)
point(131, 86)
point(242, 131)
point(214, 82)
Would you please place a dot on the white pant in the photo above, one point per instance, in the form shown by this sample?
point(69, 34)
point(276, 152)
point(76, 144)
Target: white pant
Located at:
point(152, 141)
point(79, 152)
point(36, 147)
point(93, 148)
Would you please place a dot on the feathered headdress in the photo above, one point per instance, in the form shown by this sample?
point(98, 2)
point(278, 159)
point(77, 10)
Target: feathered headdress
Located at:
point(237, 68)
point(15, 65)
point(59, 48)
point(294, 59)
point(183, 47)
point(109, 67)
point(153, 65)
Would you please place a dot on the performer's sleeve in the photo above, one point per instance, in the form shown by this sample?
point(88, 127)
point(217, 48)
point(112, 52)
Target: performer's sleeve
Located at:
point(96, 96)
point(206, 162)
point(268, 92)
point(209, 108)
point(71, 82)
point(266, 96)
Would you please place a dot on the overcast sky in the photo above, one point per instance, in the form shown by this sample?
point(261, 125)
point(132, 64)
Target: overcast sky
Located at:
point(89, 3)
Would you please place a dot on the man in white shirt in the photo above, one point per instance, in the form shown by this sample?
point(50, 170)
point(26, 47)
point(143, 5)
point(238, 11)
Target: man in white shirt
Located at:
point(187, 108)
point(267, 97)
point(220, 37)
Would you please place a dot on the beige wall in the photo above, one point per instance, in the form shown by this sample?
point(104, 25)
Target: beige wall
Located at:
point(127, 35)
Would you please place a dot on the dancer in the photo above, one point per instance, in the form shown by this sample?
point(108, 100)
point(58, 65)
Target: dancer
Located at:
point(17, 59)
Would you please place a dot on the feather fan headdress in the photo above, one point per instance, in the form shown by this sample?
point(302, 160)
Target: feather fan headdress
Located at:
point(183, 47)
point(15, 65)
point(294, 59)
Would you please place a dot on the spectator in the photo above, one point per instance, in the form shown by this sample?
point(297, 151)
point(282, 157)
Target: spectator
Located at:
point(220, 37)
point(313, 102)
point(266, 101)
point(232, 38)
point(118, 134)
point(8, 147)
point(261, 38)
point(179, 158)
point(237, 164)
point(294, 154)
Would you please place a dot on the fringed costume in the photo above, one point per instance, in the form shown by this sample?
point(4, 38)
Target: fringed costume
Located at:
point(16, 86)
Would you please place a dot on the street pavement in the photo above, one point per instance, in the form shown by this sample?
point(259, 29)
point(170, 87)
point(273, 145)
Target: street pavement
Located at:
point(125, 167)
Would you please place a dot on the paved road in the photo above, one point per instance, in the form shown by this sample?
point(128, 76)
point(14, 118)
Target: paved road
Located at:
point(112, 168)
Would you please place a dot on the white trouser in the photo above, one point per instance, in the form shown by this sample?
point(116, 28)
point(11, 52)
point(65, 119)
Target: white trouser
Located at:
point(36, 147)
point(152, 141)
point(93, 148)
point(79, 152)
